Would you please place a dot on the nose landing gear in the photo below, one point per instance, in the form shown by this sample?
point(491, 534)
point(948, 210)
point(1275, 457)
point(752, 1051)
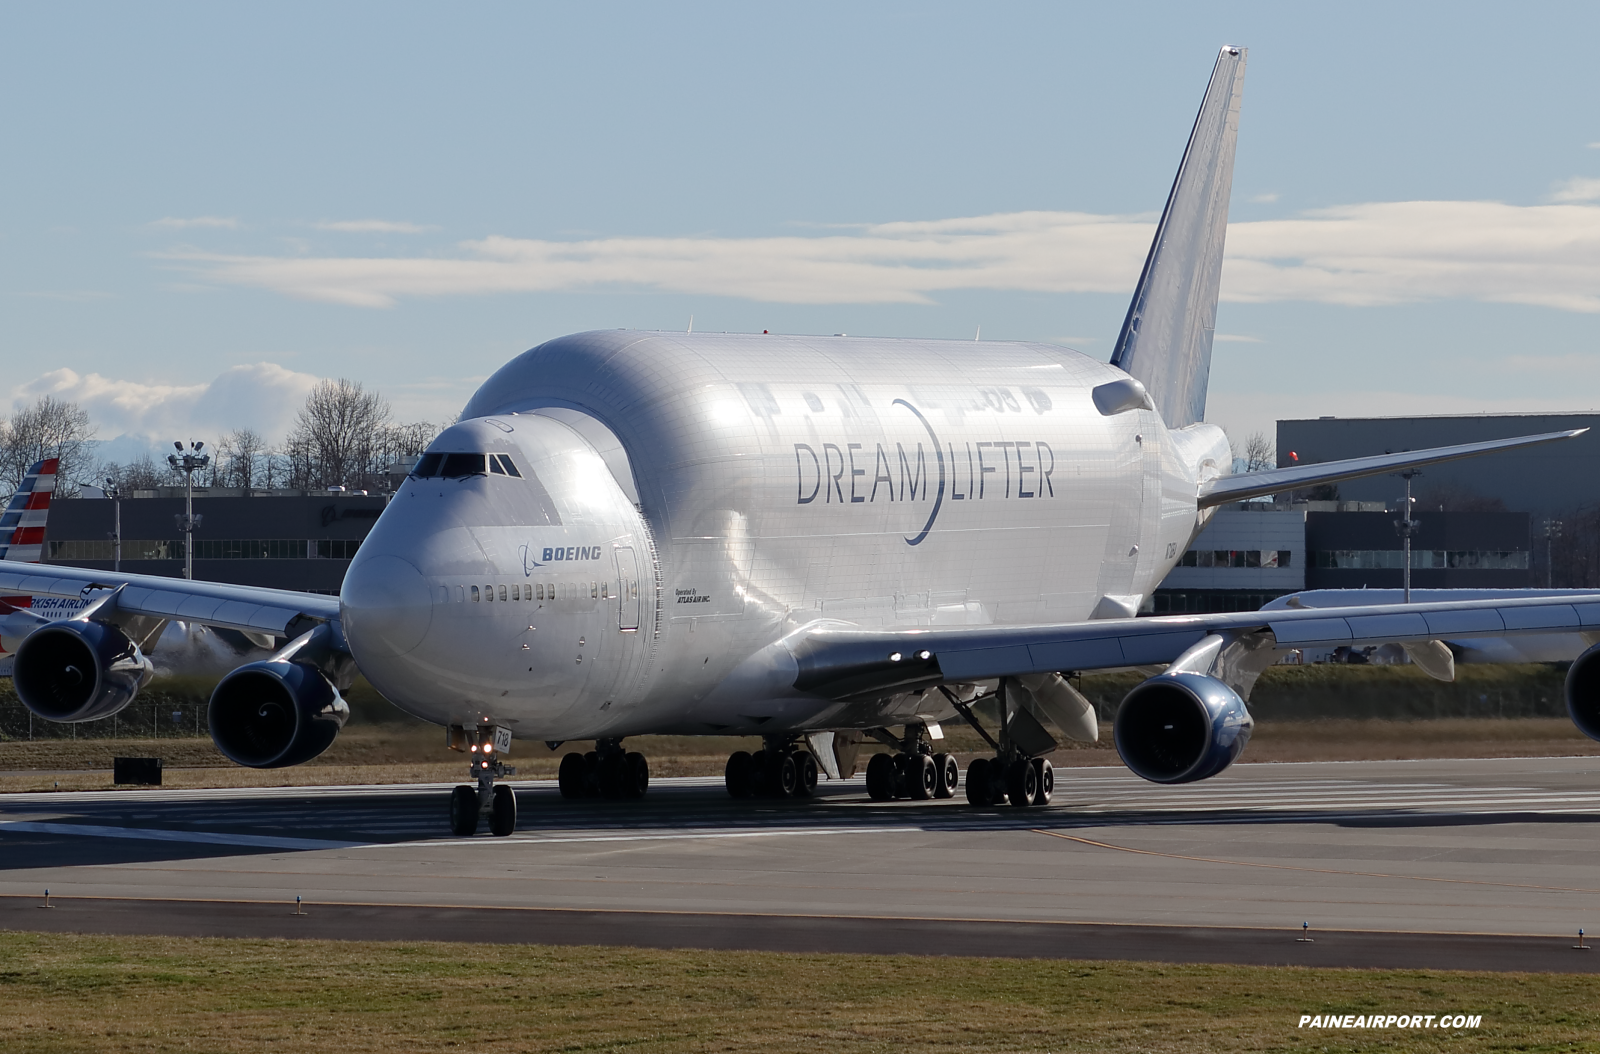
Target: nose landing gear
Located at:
point(468, 805)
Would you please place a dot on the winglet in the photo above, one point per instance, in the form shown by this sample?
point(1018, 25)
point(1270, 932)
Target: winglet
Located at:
point(1166, 338)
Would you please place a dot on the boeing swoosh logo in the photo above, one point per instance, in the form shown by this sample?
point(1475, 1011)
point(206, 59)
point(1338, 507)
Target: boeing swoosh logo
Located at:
point(938, 450)
point(528, 562)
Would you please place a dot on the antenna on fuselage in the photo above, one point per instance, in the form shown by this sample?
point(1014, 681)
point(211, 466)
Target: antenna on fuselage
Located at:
point(978, 335)
point(691, 325)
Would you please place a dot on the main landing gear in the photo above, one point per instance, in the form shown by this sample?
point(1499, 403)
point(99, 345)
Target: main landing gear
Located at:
point(607, 771)
point(498, 803)
point(915, 772)
point(1018, 774)
point(778, 770)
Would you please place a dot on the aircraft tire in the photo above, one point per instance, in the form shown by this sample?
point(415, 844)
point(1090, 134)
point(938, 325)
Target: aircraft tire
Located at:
point(464, 812)
point(921, 778)
point(947, 772)
point(1047, 780)
point(736, 775)
point(503, 812)
point(880, 778)
point(784, 776)
point(978, 783)
point(638, 775)
point(591, 775)
point(570, 776)
point(807, 786)
point(1022, 783)
point(614, 776)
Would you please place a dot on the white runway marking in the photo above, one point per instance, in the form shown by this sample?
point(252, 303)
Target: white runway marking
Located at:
point(535, 840)
point(147, 834)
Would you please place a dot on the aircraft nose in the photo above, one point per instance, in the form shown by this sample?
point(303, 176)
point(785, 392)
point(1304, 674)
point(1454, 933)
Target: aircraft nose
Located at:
point(386, 606)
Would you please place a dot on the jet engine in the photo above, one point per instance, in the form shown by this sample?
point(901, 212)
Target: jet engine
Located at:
point(1181, 727)
point(1583, 692)
point(78, 670)
point(272, 714)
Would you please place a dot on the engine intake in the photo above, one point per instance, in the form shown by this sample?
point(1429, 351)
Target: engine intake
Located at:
point(1181, 727)
point(1583, 692)
point(80, 670)
point(272, 714)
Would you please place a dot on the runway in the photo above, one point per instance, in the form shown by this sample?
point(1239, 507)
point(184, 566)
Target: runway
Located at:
point(1474, 864)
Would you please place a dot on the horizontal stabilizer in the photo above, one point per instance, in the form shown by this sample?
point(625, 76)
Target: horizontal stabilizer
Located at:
point(1273, 481)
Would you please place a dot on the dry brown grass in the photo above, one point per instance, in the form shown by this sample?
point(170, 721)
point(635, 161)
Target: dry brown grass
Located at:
point(145, 994)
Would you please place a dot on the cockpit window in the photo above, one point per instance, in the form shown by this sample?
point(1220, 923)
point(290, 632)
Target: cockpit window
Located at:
point(505, 464)
point(458, 465)
point(495, 466)
point(427, 465)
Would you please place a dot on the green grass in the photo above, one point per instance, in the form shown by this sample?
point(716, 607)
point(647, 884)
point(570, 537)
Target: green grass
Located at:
point(94, 993)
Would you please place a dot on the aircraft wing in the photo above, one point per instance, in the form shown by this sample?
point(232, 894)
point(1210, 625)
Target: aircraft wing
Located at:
point(252, 609)
point(857, 664)
point(1224, 489)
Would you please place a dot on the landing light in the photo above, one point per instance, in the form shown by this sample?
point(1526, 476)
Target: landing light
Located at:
point(924, 655)
point(894, 656)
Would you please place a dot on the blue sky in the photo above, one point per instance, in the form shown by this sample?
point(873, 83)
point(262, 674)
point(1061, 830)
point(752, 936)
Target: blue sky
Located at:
point(208, 206)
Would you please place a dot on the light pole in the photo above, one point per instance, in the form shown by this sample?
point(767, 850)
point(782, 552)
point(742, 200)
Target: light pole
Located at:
point(187, 462)
point(114, 492)
point(1552, 531)
point(1406, 526)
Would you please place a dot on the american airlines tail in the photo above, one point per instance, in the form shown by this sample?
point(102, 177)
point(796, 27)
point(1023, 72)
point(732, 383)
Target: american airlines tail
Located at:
point(1165, 342)
point(22, 541)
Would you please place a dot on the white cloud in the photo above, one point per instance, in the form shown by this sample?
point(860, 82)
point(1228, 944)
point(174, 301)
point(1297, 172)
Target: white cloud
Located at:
point(1594, 146)
point(1263, 199)
point(370, 227)
point(180, 223)
point(263, 396)
point(1236, 338)
point(1380, 253)
point(1577, 188)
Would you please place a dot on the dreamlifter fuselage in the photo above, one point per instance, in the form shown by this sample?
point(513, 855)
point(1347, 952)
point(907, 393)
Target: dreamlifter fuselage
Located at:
point(687, 501)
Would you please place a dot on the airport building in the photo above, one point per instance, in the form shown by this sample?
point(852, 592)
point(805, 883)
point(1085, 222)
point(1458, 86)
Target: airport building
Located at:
point(281, 539)
point(1252, 553)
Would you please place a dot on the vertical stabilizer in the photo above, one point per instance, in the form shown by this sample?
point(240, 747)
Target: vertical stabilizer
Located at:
point(1166, 339)
point(22, 522)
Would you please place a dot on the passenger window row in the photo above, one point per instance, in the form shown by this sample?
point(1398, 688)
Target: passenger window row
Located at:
point(533, 591)
point(460, 466)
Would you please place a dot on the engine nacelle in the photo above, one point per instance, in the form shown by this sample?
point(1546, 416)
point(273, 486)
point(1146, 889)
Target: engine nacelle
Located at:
point(272, 714)
point(1181, 727)
point(79, 670)
point(1583, 692)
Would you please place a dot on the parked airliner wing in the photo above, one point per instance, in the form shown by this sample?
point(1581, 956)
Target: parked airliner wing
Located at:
point(848, 664)
point(1273, 481)
point(252, 609)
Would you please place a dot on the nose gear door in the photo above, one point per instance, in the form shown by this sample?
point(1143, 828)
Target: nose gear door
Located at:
point(628, 589)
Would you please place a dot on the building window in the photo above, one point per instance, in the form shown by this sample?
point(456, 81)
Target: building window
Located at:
point(1270, 559)
point(1421, 559)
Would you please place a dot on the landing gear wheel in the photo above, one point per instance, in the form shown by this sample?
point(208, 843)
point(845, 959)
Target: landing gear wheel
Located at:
point(978, 782)
point(921, 777)
point(737, 775)
point(808, 776)
point(783, 776)
point(591, 775)
point(464, 812)
point(502, 812)
point(1047, 780)
point(880, 778)
point(614, 775)
point(759, 777)
point(947, 773)
point(1022, 783)
point(638, 780)
point(570, 776)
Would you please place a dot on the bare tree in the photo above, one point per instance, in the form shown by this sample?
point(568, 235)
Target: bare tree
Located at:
point(140, 474)
point(50, 428)
point(1259, 453)
point(239, 458)
point(337, 436)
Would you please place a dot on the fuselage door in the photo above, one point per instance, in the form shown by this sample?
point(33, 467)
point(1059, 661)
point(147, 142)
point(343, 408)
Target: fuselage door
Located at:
point(627, 589)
